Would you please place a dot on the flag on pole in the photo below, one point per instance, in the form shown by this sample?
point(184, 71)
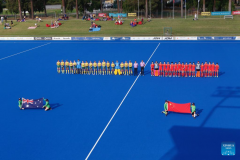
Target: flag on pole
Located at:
point(173, 1)
point(32, 103)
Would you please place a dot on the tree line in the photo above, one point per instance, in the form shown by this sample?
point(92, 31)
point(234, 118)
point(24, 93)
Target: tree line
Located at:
point(22, 6)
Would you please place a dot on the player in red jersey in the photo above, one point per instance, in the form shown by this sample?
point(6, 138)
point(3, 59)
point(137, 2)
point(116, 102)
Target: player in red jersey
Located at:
point(171, 69)
point(168, 69)
point(179, 69)
point(193, 70)
point(209, 69)
point(160, 69)
point(175, 70)
point(189, 69)
point(183, 69)
point(202, 69)
point(152, 68)
point(186, 69)
point(216, 69)
point(213, 69)
point(205, 70)
point(164, 68)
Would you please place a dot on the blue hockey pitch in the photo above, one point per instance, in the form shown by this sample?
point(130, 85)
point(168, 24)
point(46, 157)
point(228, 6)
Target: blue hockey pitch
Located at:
point(99, 117)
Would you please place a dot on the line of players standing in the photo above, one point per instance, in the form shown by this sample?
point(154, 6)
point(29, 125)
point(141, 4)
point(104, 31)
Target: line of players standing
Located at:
point(95, 68)
point(184, 70)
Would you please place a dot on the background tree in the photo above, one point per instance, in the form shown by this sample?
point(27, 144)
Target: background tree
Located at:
point(146, 8)
point(19, 8)
point(77, 16)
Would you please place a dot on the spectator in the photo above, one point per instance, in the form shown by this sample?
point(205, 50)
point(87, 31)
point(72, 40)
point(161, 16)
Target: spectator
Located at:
point(11, 23)
point(2, 19)
point(142, 65)
point(142, 19)
point(198, 69)
point(5, 18)
point(135, 68)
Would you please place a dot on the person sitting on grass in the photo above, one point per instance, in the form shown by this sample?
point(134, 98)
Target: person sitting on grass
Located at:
point(165, 108)
point(47, 105)
point(149, 19)
point(20, 103)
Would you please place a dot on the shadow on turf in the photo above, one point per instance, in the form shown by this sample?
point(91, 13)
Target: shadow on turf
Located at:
point(221, 73)
point(55, 105)
point(203, 143)
point(200, 143)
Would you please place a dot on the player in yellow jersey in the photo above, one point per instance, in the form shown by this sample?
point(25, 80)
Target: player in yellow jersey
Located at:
point(75, 66)
point(113, 67)
point(62, 67)
point(130, 68)
point(58, 66)
point(71, 67)
point(126, 68)
point(122, 67)
point(86, 67)
point(99, 67)
point(67, 66)
point(108, 68)
point(90, 68)
point(95, 67)
point(103, 67)
point(83, 67)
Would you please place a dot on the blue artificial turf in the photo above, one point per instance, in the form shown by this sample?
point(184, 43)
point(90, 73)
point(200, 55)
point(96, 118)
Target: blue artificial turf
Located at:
point(83, 104)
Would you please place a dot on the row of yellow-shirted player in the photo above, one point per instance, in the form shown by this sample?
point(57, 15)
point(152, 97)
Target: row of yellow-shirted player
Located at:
point(95, 68)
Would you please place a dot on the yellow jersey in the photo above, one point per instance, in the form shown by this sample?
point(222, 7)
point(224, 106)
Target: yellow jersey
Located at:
point(103, 64)
point(86, 64)
point(108, 64)
point(83, 64)
point(99, 64)
point(62, 63)
point(58, 63)
point(90, 64)
point(121, 65)
point(70, 64)
point(74, 63)
point(95, 64)
point(126, 64)
point(130, 64)
point(66, 63)
point(112, 65)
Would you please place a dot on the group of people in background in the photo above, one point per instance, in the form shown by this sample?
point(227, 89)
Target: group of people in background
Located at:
point(99, 68)
point(184, 69)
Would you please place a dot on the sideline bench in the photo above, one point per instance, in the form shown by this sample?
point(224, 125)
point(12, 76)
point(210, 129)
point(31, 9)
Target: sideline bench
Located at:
point(228, 16)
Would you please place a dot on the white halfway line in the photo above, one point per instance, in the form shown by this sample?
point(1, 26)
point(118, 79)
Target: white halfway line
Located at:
point(24, 51)
point(119, 107)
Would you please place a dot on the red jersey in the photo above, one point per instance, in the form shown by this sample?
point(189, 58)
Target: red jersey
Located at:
point(175, 67)
point(213, 67)
point(171, 67)
point(179, 67)
point(164, 67)
point(210, 67)
point(193, 67)
point(190, 67)
point(183, 67)
point(205, 67)
point(186, 67)
point(168, 66)
point(202, 66)
point(216, 67)
point(160, 66)
point(152, 66)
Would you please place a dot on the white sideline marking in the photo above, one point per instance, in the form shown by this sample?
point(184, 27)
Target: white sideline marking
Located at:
point(119, 107)
point(24, 51)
